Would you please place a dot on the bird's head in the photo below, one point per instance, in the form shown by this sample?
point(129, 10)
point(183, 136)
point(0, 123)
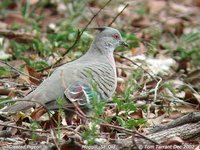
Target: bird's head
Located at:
point(108, 39)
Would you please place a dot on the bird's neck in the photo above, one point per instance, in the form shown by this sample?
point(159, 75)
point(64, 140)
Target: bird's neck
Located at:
point(95, 54)
point(101, 50)
point(102, 47)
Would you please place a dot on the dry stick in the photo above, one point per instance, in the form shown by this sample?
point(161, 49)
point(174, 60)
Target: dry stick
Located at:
point(130, 131)
point(79, 34)
point(96, 19)
point(15, 83)
point(137, 66)
point(21, 128)
point(156, 88)
point(191, 88)
point(18, 71)
point(118, 15)
point(38, 131)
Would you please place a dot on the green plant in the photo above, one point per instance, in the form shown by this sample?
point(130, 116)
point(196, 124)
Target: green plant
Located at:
point(19, 49)
point(153, 44)
point(5, 71)
point(97, 106)
point(141, 9)
point(127, 104)
point(188, 48)
point(75, 10)
point(5, 4)
point(90, 133)
point(34, 126)
point(26, 9)
point(60, 102)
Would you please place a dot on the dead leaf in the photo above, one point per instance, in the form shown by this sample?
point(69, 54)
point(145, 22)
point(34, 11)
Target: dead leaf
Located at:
point(180, 8)
point(185, 108)
point(24, 79)
point(174, 25)
point(35, 74)
point(53, 122)
point(189, 97)
point(16, 63)
point(38, 113)
point(137, 115)
point(14, 19)
point(156, 121)
point(175, 114)
point(141, 22)
point(197, 3)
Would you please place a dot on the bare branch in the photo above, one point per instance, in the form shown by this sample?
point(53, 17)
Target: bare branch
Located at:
point(118, 15)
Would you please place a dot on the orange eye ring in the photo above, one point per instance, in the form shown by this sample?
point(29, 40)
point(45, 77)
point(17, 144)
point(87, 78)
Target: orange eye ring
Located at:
point(116, 36)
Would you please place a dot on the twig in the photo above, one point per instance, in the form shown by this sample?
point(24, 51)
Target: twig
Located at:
point(96, 19)
point(191, 88)
point(67, 128)
point(79, 34)
point(176, 99)
point(21, 128)
point(18, 71)
point(16, 84)
point(39, 131)
point(137, 66)
point(156, 88)
point(129, 131)
point(118, 15)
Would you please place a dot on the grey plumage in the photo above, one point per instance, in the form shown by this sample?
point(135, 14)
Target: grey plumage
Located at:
point(72, 81)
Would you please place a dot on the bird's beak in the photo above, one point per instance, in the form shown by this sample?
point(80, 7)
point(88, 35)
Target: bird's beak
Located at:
point(123, 43)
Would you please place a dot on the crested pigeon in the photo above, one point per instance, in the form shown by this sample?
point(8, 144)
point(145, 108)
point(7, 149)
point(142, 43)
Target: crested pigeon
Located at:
point(72, 81)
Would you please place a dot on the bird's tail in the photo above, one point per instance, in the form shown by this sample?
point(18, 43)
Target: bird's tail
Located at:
point(19, 106)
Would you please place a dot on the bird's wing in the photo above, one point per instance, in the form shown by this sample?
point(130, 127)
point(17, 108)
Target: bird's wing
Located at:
point(102, 76)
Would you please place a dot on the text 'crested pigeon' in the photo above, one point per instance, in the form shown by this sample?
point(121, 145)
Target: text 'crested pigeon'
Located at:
point(73, 81)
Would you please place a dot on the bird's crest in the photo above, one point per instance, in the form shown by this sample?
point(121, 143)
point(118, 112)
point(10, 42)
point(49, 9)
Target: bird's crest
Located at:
point(100, 28)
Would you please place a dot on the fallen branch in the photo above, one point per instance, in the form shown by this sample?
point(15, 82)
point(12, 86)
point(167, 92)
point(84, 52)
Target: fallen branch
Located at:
point(184, 132)
point(189, 118)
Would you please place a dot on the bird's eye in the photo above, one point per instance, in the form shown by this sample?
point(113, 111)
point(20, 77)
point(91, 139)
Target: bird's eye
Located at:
point(116, 36)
